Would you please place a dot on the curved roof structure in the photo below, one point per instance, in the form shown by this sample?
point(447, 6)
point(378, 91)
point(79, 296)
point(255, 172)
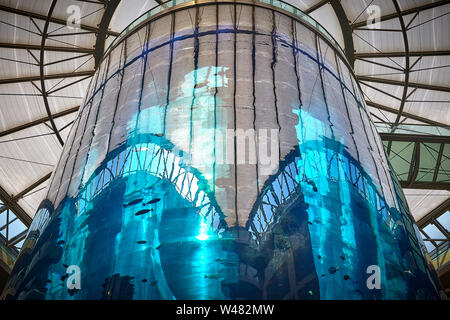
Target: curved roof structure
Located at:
point(49, 49)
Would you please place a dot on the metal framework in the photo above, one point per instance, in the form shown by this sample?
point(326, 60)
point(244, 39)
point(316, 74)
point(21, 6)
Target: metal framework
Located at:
point(51, 19)
point(418, 175)
point(362, 55)
point(27, 46)
point(420, 142)
point(401, 83)
point(411, 179)
point(38, 121)
point(47, 77)
point(405, 114)
point(12, 232)
point(407, 62)
point(407, 69)
point(346, 31)
point(103, 30)
point(9, 202)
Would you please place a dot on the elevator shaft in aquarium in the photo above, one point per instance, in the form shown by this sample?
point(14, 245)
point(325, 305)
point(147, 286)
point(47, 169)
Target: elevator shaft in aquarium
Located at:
point(223, 151)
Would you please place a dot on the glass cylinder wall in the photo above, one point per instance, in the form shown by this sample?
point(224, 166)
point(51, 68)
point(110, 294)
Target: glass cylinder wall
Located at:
point(223, 151)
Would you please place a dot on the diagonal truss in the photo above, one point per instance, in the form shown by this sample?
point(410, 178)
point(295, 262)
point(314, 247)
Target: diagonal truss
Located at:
point(101, 31)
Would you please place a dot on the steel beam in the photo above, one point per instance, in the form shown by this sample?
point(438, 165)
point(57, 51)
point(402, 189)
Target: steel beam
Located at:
point(441, 229)
point(436, 212)
point(38, 121)
point(42, 73)
point(346, 30)
point(426, 185)
point(103, 30)
point(12, 205)
point(414, 138)
point(407, 64)
point(406, 114)
point(34, 185)
point(363, 55)
point(404, 12)
point(26, 46)
point(52, 19)
point(438, 162)
point(415, 165)
point(401, 83)
point(318, 5)
point(13, 241)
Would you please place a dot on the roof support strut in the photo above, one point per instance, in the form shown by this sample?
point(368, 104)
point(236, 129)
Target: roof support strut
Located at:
point(407, 67)
point(346, 30)
point(52, 19)
point(103, 30)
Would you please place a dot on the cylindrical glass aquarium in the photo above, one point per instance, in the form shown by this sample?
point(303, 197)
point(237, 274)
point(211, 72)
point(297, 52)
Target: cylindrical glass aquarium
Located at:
point(223, 151)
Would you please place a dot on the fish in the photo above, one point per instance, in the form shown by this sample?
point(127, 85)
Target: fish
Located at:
point(158, 247)
point(319, 257)
point(310, 292)
point(136, 201)
point(65, 265)
point(213, 276)
point(154, 201)
point(154, 282)
point(333, 270)
point(342, 257)
point(310, 182)
point(141, 242)
point(144, 280)
point(346, 277)
point(141, 212)
point(408, 272)
point(60, 242)
point(72, 291)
